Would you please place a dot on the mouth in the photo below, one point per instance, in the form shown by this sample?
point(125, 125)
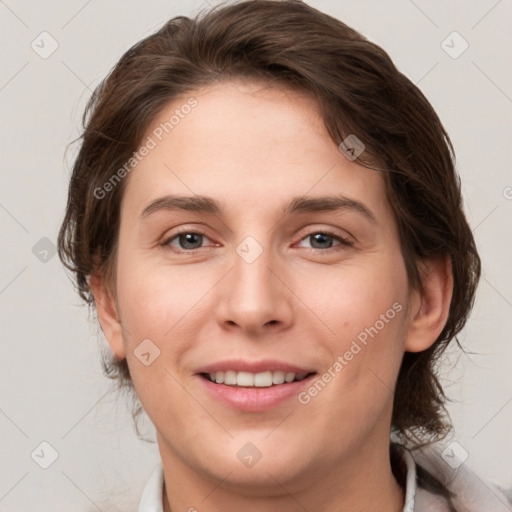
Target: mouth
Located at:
point(254, 391)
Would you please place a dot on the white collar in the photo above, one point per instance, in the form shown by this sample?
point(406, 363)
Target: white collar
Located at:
point(410, 481)
point(151, 499)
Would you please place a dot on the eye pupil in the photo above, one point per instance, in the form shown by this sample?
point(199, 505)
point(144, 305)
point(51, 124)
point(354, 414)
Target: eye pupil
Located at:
point(321, 238)
point(190, 240)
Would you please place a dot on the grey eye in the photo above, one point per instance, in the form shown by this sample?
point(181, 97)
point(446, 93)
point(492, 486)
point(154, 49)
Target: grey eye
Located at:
point(188, 240)
point(322, 240)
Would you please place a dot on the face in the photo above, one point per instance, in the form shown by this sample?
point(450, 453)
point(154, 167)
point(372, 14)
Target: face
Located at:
point(252, 251)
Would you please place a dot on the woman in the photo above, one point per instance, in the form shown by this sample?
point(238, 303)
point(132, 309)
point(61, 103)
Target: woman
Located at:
point(266, 217)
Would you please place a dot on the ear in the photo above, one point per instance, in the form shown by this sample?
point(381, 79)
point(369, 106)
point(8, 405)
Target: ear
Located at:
point(108, 316)
point(430, 306)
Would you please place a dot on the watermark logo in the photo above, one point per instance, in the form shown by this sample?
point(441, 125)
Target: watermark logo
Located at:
point(249, 249)
point(147, 352)
point(249, 455)
point(455, 455)
point(44, 455)
point(44, 45)
point(44, 250)
point(454, 45)
point(352, 147)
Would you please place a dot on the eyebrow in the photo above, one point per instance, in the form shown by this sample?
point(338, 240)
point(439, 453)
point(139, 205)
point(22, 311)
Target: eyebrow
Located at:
point(204, 204)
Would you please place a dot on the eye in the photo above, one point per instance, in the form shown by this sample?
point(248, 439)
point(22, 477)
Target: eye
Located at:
point(324, 240)
point(187, 240)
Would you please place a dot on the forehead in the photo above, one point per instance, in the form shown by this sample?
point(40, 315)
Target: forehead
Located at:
point(250, 143)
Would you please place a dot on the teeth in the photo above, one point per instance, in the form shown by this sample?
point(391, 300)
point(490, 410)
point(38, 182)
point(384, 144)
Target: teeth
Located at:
point(289, 377)
point(217, 377)
point(278, 377)
point(244, 379)
point(259, 380)
point(229, 378)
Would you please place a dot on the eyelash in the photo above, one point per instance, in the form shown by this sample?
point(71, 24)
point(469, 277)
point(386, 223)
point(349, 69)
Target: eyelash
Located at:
point(343, 242)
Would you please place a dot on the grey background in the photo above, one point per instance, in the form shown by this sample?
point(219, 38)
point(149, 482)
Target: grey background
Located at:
point(52, 387)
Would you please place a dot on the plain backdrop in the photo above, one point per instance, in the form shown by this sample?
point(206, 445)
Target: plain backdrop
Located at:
point(52, 387)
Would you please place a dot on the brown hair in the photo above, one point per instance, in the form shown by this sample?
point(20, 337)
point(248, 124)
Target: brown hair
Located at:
point(359, 91)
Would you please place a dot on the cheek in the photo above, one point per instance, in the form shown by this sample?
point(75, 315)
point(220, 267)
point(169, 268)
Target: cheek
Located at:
point(157, 311)
point(154, 298)
point(353, 297)
point(165, 304)
point(364, 308)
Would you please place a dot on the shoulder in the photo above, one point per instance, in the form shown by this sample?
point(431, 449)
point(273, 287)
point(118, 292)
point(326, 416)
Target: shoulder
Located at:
point(439, 481)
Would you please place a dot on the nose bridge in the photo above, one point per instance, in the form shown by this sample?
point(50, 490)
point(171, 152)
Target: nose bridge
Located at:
point(253, 296)
point(251, 273)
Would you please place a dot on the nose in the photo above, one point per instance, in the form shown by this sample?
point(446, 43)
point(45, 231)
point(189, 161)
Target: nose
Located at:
point(255, 296)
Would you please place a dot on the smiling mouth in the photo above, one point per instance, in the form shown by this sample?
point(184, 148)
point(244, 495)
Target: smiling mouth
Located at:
point(255, 380)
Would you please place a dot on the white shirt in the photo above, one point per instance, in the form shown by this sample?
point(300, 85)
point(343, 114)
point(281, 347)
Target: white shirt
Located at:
point(471, 494)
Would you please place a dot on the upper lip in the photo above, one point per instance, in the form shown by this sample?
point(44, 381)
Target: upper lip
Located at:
point(265, 365)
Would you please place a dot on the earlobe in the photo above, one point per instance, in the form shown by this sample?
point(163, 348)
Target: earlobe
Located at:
point(107, 315)
point(430, 306)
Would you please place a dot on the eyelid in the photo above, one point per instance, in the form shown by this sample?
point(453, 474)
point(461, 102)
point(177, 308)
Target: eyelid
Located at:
point(180, 230)
point(342, 241)
point(343, 236)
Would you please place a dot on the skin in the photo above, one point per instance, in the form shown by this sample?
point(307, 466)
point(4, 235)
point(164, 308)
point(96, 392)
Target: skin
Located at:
point(253, 148)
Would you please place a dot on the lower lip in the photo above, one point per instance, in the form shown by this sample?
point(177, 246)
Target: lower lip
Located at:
point(255, 399)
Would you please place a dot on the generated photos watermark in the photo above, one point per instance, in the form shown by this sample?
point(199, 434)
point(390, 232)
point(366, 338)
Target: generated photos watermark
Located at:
point(149, 144)
point(357, 345)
